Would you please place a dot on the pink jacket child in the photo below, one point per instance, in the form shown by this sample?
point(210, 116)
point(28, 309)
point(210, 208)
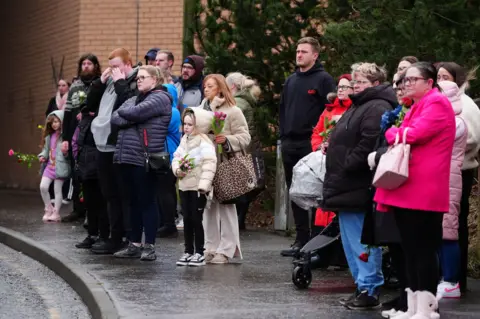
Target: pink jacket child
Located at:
point(431, 133)
point(450, 220)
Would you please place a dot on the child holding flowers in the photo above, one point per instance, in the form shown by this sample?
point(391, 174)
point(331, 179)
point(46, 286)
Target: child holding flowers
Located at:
point(194, 163)
point(56, 168)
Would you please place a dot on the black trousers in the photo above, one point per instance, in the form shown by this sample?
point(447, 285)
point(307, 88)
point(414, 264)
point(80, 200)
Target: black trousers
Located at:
point(167, 199)
point(467, 183)
point(399, 266)
point(96, 204)
point(193, 205)
point(115, 195)
point(421, 238)
point(292, 152)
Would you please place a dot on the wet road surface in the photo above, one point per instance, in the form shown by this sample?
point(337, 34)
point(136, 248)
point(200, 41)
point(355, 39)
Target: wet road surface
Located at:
point(258, 287)
point(30, 290)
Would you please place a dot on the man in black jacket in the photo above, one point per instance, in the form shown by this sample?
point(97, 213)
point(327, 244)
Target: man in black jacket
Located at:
point(88, 70)
point(116, 85)
point(303, 100)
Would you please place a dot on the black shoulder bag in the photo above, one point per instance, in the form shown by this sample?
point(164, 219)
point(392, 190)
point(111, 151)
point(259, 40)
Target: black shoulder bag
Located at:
point(156, 162)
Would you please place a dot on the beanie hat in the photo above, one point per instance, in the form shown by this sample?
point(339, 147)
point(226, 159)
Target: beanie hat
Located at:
point(151, 54)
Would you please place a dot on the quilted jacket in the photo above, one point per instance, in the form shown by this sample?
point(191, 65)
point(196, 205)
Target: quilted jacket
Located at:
point(147, 115)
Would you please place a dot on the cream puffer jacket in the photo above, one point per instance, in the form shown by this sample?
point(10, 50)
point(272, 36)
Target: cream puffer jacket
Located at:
point(199, 147)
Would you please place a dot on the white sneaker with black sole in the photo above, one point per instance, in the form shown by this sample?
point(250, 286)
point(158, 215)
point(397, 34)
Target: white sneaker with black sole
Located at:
point(197, 260)
point(184, 260)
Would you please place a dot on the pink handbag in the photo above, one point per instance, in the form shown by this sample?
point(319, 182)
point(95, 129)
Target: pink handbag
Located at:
point(392, 170)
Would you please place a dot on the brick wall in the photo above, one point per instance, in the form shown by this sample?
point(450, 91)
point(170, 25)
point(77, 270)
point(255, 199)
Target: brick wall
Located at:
point(108, 24)
point(34, 31)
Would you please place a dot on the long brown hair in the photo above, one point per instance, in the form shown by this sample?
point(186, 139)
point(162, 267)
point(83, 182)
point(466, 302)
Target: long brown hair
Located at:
point(223, 88)
point(48, 129)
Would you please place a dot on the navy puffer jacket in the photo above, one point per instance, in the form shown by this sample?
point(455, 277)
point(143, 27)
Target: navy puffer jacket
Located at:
point(148, 113)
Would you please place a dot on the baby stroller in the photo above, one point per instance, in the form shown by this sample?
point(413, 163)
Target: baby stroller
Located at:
point(322, 251)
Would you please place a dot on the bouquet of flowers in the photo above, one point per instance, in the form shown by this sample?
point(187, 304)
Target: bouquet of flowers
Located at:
point(396, 116)
point(78, 98)
point(218, 123)
point(186, 164)
point(22, 158)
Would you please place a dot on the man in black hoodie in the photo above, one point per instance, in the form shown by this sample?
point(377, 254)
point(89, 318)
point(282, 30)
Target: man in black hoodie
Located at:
point(303, 100)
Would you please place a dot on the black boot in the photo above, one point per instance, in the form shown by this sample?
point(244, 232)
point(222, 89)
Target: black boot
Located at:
point(73, 217)
point(293, 250)
point(167, 232)
point(86, 243)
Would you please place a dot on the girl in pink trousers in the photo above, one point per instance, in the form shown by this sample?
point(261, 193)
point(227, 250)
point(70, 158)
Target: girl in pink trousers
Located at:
point(420, 203)
point(450, 252)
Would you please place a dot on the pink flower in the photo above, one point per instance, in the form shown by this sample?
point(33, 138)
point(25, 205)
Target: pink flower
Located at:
point(11, 152)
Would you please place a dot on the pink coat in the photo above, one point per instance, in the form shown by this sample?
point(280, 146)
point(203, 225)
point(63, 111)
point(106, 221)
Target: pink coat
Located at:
point(431, 133)
point(450, 220)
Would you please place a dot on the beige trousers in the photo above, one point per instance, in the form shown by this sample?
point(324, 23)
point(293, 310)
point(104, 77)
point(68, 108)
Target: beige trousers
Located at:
point(220, 223)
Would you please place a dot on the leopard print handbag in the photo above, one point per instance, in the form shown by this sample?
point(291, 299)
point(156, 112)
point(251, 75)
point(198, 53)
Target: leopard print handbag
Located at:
point(241, 174)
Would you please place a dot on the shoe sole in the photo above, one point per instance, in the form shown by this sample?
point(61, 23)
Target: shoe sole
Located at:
point(148, 258)
point(363, 308)
point(192, 264)
point(83, 247)
point(127, 257)
point(181, 263)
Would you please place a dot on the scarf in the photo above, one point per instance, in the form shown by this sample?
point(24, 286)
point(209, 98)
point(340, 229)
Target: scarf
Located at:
point(61, 100)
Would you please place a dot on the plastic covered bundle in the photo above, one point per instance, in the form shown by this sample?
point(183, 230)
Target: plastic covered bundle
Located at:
point(307, 181)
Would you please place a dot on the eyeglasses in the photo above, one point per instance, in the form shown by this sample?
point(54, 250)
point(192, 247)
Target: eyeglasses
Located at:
point(360, 82)
point(411, 80)
point(142, 77)
point(344, 87)
point(188, 67)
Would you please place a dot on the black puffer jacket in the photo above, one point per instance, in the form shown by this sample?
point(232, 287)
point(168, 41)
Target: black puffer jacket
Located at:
point(150, 113)
point(348, 178)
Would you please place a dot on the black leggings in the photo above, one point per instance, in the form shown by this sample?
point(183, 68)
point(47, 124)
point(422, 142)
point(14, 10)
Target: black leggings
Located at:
point(192, 210)
point(421, 237)
point(467, 183)
point(96, 204)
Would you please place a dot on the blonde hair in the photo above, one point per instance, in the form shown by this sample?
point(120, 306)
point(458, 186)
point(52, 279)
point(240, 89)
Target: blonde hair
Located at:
point(153, 71)
point(243, 83)
point(223, 88)
point(371, 71)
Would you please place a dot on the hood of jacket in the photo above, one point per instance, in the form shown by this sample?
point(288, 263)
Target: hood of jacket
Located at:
point(452, 91)
point(247, 96)
point(317, 67)
point(57, 113)
point(338, 104)
point(380, 92)
point(203, 119)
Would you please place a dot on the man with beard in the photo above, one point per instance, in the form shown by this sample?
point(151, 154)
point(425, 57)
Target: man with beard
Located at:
point(88, 71)
point(116, 85)
point(189, 87)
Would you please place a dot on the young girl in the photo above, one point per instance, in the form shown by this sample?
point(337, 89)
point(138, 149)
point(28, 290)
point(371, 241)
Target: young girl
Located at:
point(56, 166)
point(195, 183)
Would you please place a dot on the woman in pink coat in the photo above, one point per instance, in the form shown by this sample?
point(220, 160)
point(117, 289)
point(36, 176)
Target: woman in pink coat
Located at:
point(419, 203)
point(450, 252)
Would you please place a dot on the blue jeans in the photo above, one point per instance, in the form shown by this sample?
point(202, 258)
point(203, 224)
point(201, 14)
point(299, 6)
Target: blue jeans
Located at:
point(143, 205)
point(450, 260)
point(367, 275)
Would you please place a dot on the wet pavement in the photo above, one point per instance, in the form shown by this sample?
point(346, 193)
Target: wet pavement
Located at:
point(30, 290)
point(258, 287)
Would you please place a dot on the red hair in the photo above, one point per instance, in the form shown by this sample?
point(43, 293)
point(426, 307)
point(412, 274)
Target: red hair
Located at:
point(122, 54)
point(346, 77)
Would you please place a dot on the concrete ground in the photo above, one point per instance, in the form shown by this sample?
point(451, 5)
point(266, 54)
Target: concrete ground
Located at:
point(258, 287)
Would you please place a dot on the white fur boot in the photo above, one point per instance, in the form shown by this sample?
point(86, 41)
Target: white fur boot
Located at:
point(427, 306)
point(412, 306)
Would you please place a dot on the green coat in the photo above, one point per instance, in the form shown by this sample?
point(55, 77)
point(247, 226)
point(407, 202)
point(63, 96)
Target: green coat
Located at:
point(245, 101)
point(62, 164)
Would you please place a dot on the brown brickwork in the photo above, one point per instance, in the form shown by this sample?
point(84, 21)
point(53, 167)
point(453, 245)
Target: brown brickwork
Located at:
point(34, 31)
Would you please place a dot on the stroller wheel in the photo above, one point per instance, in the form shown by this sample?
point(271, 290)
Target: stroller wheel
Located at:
point(302, 277)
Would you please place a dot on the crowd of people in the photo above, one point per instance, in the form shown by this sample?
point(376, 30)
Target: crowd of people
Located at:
point(369, 125)
point(114, 130)
point(121, 135)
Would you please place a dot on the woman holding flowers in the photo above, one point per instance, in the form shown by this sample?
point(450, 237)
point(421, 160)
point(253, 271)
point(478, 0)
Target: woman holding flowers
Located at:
point(348, 178)
point(222, 237)
point(419, 203)
point(194, 163)
point(324, 128)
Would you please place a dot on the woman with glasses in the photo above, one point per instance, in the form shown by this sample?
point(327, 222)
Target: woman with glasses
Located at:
point(419, 203)
point(143, 127)
point(332, 114)
point(348, 179)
